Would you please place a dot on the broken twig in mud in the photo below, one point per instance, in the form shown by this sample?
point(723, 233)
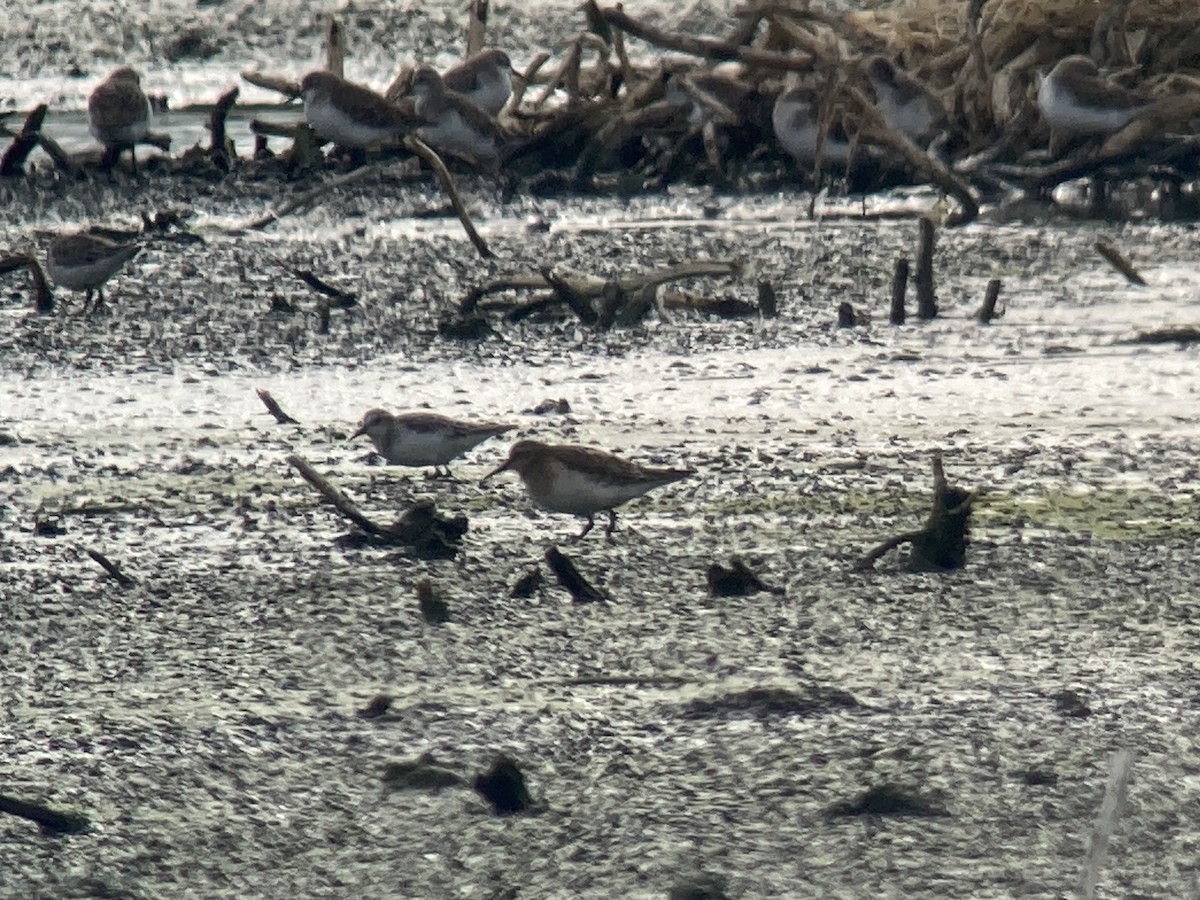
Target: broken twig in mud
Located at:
point(477, 27)
point(309, 197)
point(112, 569)
point(926, 303)
point(274, 408)
point(221, 150)
point(43, 299)
point(13, 161)
point(987, 312)
point(1117, 260)
point(342, 299)
point(335, 47)
point(568, 576)
point(899, 290)
point(942, 544)
point(51, 821)
point(430, 535)
point(427, 153)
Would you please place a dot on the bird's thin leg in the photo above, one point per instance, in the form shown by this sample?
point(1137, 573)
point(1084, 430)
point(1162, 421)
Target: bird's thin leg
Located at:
point(133, 159)
point(586, 528)
point(612, 524)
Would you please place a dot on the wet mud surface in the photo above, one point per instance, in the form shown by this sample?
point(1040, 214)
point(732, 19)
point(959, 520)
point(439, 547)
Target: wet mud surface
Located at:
point(205, 718)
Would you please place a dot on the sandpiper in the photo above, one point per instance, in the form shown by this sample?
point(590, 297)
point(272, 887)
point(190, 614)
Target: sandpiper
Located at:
point(797, 129)
point(1076, 99)
point(83, 261)
point(581, 481)
point(708, 96)
point(456, 124)
point(119, 113)
point(484, 78)
point(907, 106)
point(424, 439)
point(351, 115)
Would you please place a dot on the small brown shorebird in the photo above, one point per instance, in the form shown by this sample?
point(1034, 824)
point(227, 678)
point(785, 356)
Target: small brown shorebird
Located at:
point(84, 261)
point(708, 96)
point(797, 128)
point(581, 481)
point(484, 78)
point(424, 439)
point(908, 107)
point(119, 114)
point(351, 115)
point(456, 124)
point(1076, 99)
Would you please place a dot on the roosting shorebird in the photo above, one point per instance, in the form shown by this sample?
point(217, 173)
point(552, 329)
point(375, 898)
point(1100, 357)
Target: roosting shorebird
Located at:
point(84, 261)
point(352, 115)
point(797, 128)
point(906, 105)
point(119, 113)
point(484, 78)
point(424, 439)
point(1076, 99)
point(454, 122)
point(581, 481)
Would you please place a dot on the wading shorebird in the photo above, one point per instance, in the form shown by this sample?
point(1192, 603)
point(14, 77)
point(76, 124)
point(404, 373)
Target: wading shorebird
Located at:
point(119, 114)
point(581, 481)
point(83, 261)
point(351, 115)
point(424, 439)
point(484, 78)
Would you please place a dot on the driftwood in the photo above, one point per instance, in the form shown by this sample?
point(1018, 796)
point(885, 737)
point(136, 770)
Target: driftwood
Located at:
point(13, 161)
point(581, 590)
point(942, 544)
point(221, 149)
point(49, 820)
point(736, 581)
point(434, 609)
point(1117, 260)
point(429, 535)
point(423, 150)
point(477, 26)
point(307, 198)
point(290, 88)
point(1186, 334)
point(43, 298)
point(722, 307)
point(274, 408)
point(597, 301)
point(926, 302)
point(112, 569)
point(987, 312)
point(335, 47)
point(897, 315)
point(341, 299)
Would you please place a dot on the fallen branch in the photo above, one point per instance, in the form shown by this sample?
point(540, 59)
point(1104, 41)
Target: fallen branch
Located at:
point(423, 150)
point(289, 87)
point(13, 161)
point(51, 821)
point(274, 408)
point(221, 150)
point(942, 544)
point(429, 535)
point(308, 197)
point(1117, 260)
point(987, 312)
point(343, 299)
point(568, 576)
point(43, 299)
point(112, 569)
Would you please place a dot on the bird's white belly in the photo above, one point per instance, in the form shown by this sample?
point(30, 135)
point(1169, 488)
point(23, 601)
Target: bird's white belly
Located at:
point(801, 142)
point(1063, 111)
point(451, 132)
point(122, 134)
point(580, 495)
point(332, 124)
point(427, 448)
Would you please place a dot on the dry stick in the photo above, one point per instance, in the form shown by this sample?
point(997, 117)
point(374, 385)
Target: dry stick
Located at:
point(423, 150)
point(61, 160)
point(926, 304)
point(899, 289)
point(468, 303)
point(973, 12)
point(23, 144)
point(43, 299)
point(526, 79)
point(274, 408)
point(571, 73)
point(569, 577)
point(344, 299)
point(1110, 811)
point(987, 312)
point(768, 305)
point(50, 820)
point(219, 148)
point(938, 175)
point(289, 87)
point(1116, 259)
point(112, 569)
point(477, 26)
point(335, 47)
point(276, 129)
point(340, 501)
point(709, 48)
point(571, 59)
point(309, 196)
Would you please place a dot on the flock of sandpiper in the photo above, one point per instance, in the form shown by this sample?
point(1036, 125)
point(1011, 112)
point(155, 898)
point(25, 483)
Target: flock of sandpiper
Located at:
point(457, 111)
